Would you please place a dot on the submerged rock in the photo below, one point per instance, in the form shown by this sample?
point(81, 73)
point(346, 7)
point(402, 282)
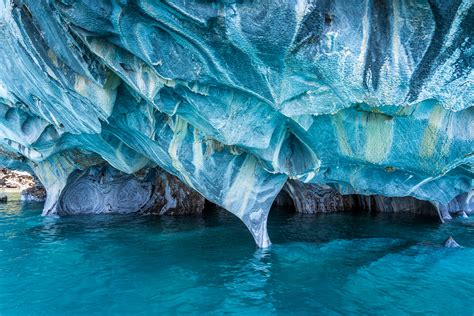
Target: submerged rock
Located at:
point(451, 243)
point(3, 198)
point(235, 97)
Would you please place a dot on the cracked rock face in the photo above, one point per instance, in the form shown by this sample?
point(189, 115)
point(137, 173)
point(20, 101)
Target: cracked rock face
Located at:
point(235, 97)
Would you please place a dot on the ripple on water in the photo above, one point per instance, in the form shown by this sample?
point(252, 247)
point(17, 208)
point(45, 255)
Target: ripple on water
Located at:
point(334, 264)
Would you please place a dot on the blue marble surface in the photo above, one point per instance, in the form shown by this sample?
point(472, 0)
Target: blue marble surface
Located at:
point(235, 97)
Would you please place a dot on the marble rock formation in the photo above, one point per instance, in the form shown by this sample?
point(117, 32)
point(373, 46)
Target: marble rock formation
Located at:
point(313, 198)
point(451, 243)
point(310, 198)
point(235, 97)
point(35, 193)
point(100, 190)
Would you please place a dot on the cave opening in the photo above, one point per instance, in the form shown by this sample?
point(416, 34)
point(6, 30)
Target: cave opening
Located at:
point(296, 197)
point(22, 182)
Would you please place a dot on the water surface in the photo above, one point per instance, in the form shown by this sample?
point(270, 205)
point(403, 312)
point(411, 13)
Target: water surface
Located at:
point(328, 264)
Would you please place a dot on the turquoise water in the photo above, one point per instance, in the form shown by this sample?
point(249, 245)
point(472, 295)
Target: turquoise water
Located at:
point(327, 264)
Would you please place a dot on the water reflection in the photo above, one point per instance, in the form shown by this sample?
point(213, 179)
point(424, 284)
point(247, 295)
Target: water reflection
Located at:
point(13, 206)
point(334, 264)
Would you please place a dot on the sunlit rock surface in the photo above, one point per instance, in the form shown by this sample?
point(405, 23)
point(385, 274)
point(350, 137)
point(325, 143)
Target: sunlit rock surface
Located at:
point(235, 97)
point(29, 186)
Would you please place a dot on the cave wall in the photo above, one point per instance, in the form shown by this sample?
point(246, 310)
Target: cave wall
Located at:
point(105, 190)
point(235, 97)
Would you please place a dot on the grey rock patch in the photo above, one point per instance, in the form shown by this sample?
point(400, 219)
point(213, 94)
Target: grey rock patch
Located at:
point(3, 198)
point(451, 243)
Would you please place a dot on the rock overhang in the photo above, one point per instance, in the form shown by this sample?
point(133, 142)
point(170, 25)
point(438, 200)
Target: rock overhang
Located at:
point(234, 98)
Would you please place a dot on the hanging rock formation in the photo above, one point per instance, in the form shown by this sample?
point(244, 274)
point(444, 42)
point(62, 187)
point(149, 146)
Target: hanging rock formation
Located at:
point(235, 97)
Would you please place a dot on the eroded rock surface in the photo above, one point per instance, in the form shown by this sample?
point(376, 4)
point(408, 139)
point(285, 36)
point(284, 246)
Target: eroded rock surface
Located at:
point(235, 97)
point(100, 190)
point(35, 193)
point(310, 198)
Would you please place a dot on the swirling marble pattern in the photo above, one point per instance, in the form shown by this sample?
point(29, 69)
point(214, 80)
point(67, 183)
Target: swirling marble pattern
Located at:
point(81, 196)
point(130, 195)
point(235, 97)
point(310, 198)
point(100, 190)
